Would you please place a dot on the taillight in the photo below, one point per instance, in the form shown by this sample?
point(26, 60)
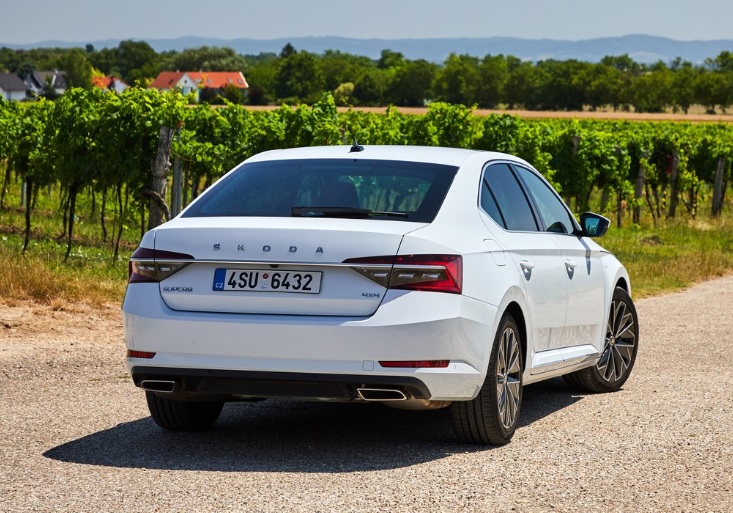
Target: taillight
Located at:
point(153, 265)
point(437, 273)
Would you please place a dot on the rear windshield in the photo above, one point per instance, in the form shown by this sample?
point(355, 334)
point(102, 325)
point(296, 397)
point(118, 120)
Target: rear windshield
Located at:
point(380, 189)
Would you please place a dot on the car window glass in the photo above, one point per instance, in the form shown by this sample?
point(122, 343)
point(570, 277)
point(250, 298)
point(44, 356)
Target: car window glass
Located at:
point(554, 215)
point(488, 204)
point(273, 188)
point(510, 199)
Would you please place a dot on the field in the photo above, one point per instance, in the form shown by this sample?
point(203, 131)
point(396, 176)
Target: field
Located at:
point(696, 114)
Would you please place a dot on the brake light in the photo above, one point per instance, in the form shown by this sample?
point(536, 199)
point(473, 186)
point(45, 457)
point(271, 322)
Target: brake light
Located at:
point(436, 273)
point(416, 364)
point(153, 265)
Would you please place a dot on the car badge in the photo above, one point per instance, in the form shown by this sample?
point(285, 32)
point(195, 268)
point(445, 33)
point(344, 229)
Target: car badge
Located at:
point(217, 246)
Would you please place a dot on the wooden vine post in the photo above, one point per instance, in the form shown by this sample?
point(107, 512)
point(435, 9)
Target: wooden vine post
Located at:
point(718, 187)
point(159, 212)
point(639, 189)
point(674, 184)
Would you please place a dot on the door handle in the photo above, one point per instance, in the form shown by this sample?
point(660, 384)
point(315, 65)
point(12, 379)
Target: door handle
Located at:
point(526, 265)
point(570, 264)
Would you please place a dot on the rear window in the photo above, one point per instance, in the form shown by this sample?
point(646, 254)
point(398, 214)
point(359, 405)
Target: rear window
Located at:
point(405, 191)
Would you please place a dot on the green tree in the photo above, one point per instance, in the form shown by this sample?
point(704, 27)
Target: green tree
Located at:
point(77, 68)
point(371, 90)
point(411, 84)
point(207, 58)
point(136, 61)
point(458, 80)
point(299, 77)
point(493, 76)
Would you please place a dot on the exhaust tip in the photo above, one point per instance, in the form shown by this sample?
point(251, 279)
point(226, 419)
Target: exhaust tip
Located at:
point(381, 394)
point(158, 385)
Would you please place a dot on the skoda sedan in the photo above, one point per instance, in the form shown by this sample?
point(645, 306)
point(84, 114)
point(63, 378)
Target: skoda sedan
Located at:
point(417, 277)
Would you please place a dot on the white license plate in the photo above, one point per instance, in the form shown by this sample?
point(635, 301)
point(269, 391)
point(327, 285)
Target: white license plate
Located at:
point(299, 282)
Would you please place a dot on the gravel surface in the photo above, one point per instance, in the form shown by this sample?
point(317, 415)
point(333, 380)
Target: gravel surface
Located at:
point(75, 434)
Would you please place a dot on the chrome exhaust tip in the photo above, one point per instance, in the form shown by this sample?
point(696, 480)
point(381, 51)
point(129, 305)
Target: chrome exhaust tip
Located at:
point(381, 394)
point(158, 385)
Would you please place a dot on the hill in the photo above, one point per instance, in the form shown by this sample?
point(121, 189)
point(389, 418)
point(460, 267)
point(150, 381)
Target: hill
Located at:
point(641, 48)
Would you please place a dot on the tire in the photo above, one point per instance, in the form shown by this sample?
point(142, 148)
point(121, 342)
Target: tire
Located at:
point(619, 349)
point(492, 417)
point(177, 415)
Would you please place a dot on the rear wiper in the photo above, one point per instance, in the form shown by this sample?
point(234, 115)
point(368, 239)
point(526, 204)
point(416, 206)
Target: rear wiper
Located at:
point(347, 212)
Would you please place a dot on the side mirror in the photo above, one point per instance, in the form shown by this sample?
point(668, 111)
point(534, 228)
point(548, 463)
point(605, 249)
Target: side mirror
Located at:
point(593, 225)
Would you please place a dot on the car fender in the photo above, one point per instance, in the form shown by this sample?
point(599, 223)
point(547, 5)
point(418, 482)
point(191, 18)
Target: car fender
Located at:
point(514, 295)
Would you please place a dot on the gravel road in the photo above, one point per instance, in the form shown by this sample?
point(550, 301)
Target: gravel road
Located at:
point(75, 435)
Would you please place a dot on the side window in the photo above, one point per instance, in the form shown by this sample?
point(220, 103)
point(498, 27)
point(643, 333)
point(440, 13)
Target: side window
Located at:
point(555, 216)
point(488, 204)
point(512, 207)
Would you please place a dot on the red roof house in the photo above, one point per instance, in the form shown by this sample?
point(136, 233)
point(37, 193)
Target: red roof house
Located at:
point(188, 81)
point(109, 84)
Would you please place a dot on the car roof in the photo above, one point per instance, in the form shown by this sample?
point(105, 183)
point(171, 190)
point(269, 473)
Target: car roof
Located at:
point(430, 154)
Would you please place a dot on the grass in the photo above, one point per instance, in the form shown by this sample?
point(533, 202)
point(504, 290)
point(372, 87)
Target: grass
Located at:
point(89, 275)
point(675, 255)
point(41, 275)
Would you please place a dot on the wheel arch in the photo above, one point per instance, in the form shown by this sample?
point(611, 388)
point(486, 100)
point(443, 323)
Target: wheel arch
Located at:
point(517, 314)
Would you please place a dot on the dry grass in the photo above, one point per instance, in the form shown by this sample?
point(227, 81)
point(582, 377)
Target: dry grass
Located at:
point(44, 279)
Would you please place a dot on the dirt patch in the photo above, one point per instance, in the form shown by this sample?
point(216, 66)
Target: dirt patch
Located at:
point(28, 323)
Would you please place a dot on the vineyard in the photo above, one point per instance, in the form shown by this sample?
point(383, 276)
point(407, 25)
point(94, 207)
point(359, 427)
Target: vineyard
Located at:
point(138, 157)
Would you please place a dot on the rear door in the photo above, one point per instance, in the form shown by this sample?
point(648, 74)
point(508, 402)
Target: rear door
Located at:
point(536, 256)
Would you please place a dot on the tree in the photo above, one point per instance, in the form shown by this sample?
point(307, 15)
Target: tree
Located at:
point(458, 81)
point(493, 76)
point(261, 77)
point(683, 86)
point(299, 77)
point(389, 59)
point(135, 61)
point(412, 83)
point(652, 91)
point(77, 68)
point(372, 88)
point(525, 85)
point(209, 59)
point(604, 85)
point(339, 68)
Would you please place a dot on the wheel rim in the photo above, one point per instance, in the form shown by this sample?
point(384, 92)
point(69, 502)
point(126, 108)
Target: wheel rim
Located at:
point(618, 350)
point(508, 378)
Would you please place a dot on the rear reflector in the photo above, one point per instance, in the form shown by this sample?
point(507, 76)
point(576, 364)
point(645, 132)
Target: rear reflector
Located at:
point(416, 364)
point(153, 265)
point(437, 273)
point(139, 354)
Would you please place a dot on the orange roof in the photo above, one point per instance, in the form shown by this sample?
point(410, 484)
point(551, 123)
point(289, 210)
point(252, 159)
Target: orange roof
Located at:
point(166, 80)
point(104, 82)
point(210, 79)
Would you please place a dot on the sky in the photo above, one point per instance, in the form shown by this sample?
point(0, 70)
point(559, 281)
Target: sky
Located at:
point(26, 21)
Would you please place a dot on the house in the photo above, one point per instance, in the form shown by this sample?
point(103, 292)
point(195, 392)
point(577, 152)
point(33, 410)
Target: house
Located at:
point(194, 81)
point(109, 84)
point(43, 82)
point(12, 87)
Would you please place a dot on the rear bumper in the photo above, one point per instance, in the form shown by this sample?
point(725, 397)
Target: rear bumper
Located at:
point(310, 356)
point(228, 384)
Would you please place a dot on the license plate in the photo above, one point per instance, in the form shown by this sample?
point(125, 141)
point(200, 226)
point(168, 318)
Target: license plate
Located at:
point(299, 282)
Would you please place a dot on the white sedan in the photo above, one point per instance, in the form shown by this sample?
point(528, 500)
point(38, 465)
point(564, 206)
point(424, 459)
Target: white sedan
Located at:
point(418, 277)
